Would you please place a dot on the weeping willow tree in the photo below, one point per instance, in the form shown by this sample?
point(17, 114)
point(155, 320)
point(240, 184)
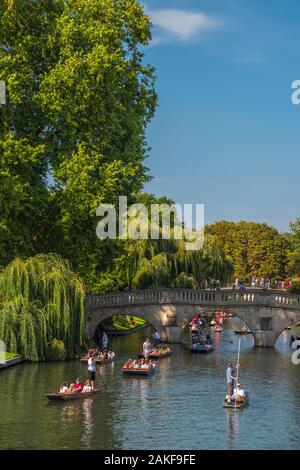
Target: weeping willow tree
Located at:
point(166, 263)
point(41, 308)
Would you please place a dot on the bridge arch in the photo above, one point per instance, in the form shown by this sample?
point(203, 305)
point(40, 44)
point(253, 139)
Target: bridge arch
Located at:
point(266, 313)
point(95, 318)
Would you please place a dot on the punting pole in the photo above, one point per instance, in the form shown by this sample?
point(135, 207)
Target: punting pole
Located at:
point(237, 372)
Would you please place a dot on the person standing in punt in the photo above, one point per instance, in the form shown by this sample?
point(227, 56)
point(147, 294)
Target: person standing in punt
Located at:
point(230, 381)
point(104, 341)
point(147, 348)
point(156, 337)
point(92, 369)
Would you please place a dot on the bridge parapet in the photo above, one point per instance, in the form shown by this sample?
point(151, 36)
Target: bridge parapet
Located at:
point(222, 297)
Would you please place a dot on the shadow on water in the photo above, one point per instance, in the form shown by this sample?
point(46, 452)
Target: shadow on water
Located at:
point(180, 407)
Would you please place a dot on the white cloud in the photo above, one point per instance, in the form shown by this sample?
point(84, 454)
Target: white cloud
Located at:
point(180, 25)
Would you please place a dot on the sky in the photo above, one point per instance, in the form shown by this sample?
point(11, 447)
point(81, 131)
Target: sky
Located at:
point(226, 133)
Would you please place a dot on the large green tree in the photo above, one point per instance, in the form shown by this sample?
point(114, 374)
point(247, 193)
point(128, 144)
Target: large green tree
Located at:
point(72, 134)
point(256, 249)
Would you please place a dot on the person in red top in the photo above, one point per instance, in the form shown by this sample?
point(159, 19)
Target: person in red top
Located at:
point(78, 386)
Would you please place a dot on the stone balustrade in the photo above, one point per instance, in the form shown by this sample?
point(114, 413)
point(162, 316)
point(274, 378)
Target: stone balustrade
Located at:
point(222, 297)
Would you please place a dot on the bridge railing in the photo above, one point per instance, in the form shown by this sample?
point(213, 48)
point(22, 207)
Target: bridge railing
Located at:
point(198, 297)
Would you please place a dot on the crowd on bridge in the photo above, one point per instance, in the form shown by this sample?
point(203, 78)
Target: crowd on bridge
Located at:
point(255, 283)
point(266, 283)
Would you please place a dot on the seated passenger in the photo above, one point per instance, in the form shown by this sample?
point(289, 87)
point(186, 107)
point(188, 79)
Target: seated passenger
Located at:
point(87, 387)
point(78, 386)
point(208, 339)
point(238, 394)
point(201, 339)
point(144, 364)
point(64, 388)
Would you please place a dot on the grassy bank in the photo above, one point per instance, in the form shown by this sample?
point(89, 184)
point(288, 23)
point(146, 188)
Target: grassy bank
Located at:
point(123, 323)
point(9, 355)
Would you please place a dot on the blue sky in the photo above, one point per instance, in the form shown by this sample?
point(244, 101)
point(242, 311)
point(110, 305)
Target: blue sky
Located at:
point(226, 133)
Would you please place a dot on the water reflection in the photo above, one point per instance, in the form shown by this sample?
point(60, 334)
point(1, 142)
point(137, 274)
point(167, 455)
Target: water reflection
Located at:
point(180, 407)
point(87, 410)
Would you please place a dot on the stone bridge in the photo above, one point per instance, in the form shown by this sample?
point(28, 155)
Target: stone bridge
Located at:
point(266, 312)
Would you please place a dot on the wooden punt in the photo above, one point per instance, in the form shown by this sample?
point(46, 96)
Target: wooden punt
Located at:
point(203, 349)
point(70, 396)
point(155, 355)
point(99, 361)
point(138, 371)
point(238, 405)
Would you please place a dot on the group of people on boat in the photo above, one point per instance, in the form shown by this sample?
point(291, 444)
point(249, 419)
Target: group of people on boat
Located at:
point(76, 387)
point(89, 385)
point(201, 339)
point(138, 364)
point(102, 355)
point(197, 324)
point(149, 349)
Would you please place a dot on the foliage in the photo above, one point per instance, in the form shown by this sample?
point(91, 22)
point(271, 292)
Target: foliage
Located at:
point(183, 281)
point(122, 323)
point(41, 308)
point(166, 263)
point(9, 356)
point(255, 249)
point(56, 350)
point(294, 253)
point(72, 134)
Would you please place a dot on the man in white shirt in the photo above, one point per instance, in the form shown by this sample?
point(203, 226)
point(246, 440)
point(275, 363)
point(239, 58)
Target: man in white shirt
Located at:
point(147, 348)
point(92, 369)
point(104, 340)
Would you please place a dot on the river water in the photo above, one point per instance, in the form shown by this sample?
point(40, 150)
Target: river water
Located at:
point(180, 407)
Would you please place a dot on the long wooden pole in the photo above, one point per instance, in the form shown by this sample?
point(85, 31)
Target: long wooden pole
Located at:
point(237, 372)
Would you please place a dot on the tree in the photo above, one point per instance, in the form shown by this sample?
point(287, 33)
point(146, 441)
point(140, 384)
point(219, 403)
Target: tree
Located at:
point(79, 100)
point(294, 253)
point(256, 249)
point(41, 308)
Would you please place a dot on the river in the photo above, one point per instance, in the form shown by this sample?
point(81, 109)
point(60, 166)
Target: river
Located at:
point(180, 407)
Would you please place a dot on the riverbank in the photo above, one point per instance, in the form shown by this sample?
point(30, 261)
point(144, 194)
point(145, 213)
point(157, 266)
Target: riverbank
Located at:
point(11, 360)
point(128, 331)
point(119, 327)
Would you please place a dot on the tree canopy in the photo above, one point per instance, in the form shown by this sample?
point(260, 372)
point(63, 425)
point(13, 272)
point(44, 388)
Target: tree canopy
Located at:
point(256, 249)
point(72, 134)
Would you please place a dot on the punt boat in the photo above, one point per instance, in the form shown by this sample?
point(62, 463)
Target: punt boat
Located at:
point(70, 396)
point(138, 371)
point(238, 404)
